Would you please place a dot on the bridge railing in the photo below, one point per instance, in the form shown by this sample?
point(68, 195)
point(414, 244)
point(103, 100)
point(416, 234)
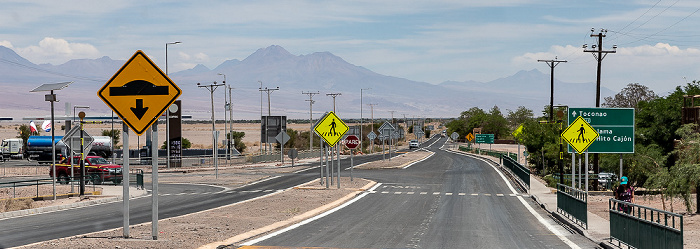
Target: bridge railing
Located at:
point(573, 203)
point(522, 172)
point(644, 227)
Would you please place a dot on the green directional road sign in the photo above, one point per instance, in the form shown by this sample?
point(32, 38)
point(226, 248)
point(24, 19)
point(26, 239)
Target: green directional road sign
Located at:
point(484, 138)
point(615, 127)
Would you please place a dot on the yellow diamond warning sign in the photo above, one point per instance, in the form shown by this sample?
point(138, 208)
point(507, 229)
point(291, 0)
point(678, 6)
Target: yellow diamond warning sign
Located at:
point(331, 128)
point(139, 92)
point(580, 135)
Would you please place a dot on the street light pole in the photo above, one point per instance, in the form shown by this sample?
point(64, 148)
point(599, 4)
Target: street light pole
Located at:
point(371, 145)
point(212, 88)
point(167, 114)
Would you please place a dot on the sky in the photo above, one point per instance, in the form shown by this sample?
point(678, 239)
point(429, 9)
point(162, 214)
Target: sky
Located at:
point(658, 41)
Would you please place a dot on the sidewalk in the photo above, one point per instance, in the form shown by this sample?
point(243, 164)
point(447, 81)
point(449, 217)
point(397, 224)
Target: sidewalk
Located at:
point(598, 228)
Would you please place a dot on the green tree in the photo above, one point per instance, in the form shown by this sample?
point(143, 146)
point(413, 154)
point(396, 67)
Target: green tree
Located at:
point(24, 133)
point(114, 134)
point(630, 96)
point(519, 116)
point(237, 140)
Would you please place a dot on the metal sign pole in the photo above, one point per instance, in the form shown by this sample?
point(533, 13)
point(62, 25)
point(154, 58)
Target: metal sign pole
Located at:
point(337, 153)
point(125, 181)
point(320, 159)
point(325, 154)
point(332, 163)
point(352, 162)
point(154, 181)
point(573, 170)
point(586, 171)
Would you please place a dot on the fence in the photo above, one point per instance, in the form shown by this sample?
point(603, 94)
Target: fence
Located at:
point(37, 182)
point(493, 153)
point(521, 171)
point(573, 204)
point(644, 227)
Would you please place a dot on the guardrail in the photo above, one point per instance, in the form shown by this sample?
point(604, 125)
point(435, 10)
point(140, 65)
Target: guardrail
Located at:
point(573, 203)
point(36, 182)
point(644, 227)
point(522, 172)
point(493, 153)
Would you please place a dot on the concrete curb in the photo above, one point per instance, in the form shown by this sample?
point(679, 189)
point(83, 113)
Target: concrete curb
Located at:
point(41, 210)
point(277, 225)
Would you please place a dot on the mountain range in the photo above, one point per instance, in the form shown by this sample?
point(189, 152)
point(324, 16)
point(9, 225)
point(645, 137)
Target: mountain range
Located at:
point(272, 67)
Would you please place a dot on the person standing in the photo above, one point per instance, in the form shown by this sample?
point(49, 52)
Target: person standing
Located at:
point(625, 193)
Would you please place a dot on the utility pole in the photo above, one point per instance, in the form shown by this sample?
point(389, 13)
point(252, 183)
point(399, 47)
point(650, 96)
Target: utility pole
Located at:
point(311, 123)
point(214, 148)
point(333, 95)
point(362, 120)
point(551, 64)
point(371, 145)
point(269, 91)
point(599, 54)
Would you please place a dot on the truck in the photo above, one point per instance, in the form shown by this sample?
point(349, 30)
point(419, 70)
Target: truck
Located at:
point(39, 148)
point(97, 170)
point(12, 148)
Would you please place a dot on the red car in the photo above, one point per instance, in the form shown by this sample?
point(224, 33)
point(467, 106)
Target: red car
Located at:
point(97, 170)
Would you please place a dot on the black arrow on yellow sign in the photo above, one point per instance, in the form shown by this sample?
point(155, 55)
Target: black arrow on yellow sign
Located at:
point(139, 110)
point(138, 88)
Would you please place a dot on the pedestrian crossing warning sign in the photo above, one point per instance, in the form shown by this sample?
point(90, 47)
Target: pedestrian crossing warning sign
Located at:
point(331, 128)
point(580, 135)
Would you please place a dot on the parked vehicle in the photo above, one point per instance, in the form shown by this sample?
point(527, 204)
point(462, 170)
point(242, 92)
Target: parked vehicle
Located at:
point(12, 148)
point(39, 148)
point(97, 170)
point(413, 144)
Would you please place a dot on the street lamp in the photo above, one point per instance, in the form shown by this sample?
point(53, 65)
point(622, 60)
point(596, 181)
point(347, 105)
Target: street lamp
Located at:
point(212, 87)
point(167, 114)
point(52, 98)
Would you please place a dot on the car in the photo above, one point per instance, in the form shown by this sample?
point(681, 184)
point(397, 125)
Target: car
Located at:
point(413, 144)
point(606, 179)
point(98, 170)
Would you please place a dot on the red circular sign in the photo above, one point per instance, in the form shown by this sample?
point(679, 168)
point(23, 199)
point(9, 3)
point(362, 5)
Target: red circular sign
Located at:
point(352, 142)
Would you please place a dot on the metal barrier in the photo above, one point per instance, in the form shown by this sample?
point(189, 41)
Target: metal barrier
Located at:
point(573, 203)
point(25, 183)
point(493, 153)
point(521, 171)
point(136, 177)
point(644, 227)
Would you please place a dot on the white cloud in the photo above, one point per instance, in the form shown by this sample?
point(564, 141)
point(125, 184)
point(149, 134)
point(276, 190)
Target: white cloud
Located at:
point(57, 51)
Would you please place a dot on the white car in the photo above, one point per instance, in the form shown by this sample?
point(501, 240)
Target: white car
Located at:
point(413, 144)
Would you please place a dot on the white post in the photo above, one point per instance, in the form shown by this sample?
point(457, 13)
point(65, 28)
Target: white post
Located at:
point(154, 181)
point(125, 181)
point(573, 170)
point(586, 171)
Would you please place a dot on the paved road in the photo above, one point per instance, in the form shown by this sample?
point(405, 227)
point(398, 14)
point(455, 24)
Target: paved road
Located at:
point(446, 201)
point(174, 200)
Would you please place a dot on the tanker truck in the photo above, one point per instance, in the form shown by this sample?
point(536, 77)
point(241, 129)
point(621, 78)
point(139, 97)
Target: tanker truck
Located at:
point(39, 148)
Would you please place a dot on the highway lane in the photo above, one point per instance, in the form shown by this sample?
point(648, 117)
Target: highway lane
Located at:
point(174, 200)
point(446, 201)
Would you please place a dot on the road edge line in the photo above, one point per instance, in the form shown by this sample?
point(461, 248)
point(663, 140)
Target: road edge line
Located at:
point(316, 217)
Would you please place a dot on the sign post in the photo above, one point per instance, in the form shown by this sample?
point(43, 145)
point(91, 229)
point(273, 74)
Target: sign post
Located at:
point(331, 129)
point(139, 93)
point(352, 142)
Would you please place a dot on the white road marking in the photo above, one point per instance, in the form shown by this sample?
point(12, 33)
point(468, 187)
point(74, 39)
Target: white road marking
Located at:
point(532, 211)
point(289, 228)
